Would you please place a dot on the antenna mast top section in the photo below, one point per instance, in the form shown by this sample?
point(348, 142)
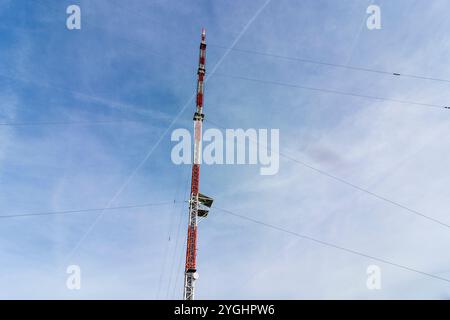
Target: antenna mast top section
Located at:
point(203, 34)
point(201, 76)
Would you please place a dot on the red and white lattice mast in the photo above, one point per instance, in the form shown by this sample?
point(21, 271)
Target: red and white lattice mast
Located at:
point(198, 202)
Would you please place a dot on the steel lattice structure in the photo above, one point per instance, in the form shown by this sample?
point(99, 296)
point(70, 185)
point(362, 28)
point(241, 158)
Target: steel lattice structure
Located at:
point(196, 198)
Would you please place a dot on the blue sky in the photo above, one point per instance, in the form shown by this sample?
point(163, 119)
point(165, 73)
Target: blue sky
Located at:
point(137, 60)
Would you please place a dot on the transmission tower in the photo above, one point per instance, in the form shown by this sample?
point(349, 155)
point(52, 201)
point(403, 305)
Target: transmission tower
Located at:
point(198, 203)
